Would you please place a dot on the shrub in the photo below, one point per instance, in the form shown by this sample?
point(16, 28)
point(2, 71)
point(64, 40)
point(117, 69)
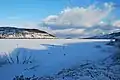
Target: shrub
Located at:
point(3, 60)
point(16, 58)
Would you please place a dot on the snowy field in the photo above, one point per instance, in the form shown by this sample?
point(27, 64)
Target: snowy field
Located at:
point(43, 57)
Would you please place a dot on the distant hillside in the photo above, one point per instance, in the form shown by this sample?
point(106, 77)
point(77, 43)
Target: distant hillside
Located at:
point(106, 36)
point(23, 33)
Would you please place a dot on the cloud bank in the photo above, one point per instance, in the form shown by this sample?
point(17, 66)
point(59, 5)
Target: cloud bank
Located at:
point(79, 16)
point(82, 21)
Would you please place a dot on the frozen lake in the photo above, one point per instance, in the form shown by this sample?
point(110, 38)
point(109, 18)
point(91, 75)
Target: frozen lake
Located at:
point(8, 45)
point(51, 55)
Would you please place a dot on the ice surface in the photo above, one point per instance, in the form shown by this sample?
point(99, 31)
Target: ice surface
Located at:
point(50, 56)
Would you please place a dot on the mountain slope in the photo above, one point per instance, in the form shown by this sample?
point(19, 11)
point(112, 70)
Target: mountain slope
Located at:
point(106, 36)
point(23, 33)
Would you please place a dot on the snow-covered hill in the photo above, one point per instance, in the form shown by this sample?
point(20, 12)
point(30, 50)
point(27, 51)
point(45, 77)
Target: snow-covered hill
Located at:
point(106, 36)
point(23, 33)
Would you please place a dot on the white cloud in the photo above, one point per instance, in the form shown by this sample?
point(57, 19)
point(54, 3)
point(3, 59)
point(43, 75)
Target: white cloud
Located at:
point(116, 23)
point(80, 21)
point(69, 31)
point(79, 16)
point(73, 32)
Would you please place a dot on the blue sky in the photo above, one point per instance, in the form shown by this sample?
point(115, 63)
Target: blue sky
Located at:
point(30, 9)
point(22, 13)
point(36, 10)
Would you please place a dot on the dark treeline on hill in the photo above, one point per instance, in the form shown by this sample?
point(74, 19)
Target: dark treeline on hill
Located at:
point(23, 33)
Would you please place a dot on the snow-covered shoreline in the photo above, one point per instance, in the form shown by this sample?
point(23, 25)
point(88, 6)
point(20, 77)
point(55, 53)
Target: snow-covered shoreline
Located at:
point(50, 56)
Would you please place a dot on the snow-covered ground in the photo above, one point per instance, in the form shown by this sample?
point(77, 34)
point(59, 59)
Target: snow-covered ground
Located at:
point(49, 56)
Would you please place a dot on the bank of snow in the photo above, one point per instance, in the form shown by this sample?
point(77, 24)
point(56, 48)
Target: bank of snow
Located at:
point(47, 57)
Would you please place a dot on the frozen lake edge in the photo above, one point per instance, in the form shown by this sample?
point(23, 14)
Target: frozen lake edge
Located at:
point(53, 54)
